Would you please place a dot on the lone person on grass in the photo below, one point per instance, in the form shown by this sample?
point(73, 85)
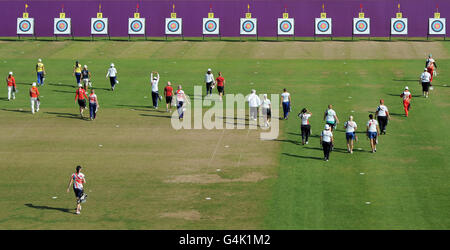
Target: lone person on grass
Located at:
point(382, 115)
point(77, 179)
point(11, 84)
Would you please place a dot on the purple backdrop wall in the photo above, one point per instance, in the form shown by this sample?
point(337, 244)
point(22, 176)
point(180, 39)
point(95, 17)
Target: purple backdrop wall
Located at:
point(229, 12)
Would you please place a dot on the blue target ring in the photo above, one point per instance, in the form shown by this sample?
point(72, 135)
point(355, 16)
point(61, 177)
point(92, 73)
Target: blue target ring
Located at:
point(25, 25)
point(323, 26)
point(62, 25)
point(361, 26)
point(285, 26)
point(437, 25)
point(248, 26)
point(173, 26)
point(136, 26)
point(399, 26)
point(210, 26)
point(99, 25)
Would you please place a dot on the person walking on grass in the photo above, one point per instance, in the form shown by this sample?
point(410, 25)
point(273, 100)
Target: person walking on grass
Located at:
point(330, 117)
point(431, 67)
point(285, 103)
point(154, 79)
point(326, 140)
point(266, 107)
point(253, 103)
point(11, 84)
point(93, 105)
point(77, 72)
point(220, 85)
point(373, 130)
point(181, 101)
point(425, 80)
point(112, 74)
point(86, 77)
point(305, 127)
point(78, 180)
point(406, 96)
point(382, 115)
point(168, 93)
point(34, 97)
point(209, 80)
point(350, 133)
point(40, 71)
point(80, 96)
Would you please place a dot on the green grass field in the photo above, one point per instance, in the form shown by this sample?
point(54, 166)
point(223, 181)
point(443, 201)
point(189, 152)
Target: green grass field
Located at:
point(146, 175)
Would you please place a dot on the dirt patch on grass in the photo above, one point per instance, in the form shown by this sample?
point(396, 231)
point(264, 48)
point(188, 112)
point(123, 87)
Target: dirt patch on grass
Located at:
point(186, 215)
point(432, 148)
point(214, 178)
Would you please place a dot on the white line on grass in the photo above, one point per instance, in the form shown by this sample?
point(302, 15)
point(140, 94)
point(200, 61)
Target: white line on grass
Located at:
point(217, 146)
point(240, 154)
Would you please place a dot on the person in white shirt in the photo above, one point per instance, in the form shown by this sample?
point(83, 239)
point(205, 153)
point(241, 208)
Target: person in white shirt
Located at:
point(330, 117)
point(181, 100)
point(305, 127)
point(350, 133)
point(285, 103)
point(78, 179)
point(425, 79)
point(406, 96)
point(382, 115)
point(209, 80)
point(372, 132)
point(154, 79)
point(266, 107)
point(112, 74)
point(253, 102)
point(326, 140)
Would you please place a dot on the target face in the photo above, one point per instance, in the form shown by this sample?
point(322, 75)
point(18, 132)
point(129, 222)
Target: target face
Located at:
point(61, 26)
point(248, 26)
point(399, 26)
point(99, 26)
point(136, 26)
point(437, 26)
point(285, 26)
point(173, 26)
point(361, 26)
point(323, 26)
point(210, 26)
point(25, 25)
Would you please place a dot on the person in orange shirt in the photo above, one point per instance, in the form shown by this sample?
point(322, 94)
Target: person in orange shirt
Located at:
point(81, 96)
point(34, 96)
point(11, 83)
point(220, 85)
point(168, 93)
point(406, 95)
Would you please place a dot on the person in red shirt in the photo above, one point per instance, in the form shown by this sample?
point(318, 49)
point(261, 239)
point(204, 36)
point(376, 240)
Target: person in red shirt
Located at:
point(168, 93)
point(34, 97)
point(406, 95)
point(220, 85)
point(11, 83)
point(81, 96)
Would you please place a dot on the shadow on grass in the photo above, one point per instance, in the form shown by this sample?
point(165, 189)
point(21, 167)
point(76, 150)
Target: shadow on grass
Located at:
point(134, 106)
point(67, 115)
point(161, 116)
point(406, 80)
point(399, 95)
point(4, 99)
point(63, 85)
point(16, 110)
point(302, 156)
point(63, 91)
point(65, 210)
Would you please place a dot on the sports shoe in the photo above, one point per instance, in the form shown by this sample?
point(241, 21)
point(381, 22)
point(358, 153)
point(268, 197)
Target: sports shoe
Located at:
point(78, 212)
point(306, 142)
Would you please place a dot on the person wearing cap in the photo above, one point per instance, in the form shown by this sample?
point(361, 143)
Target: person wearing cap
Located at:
point(266, 107)
point(350, 134)
point(77, 72)
point(305, 127)
point(326, 140)
point(431, 67)
point(425, 80)
point(373, 130)
point(209, 80)
point(80, 96)
point(330, 117)
point(86, 76)
point(11, 84)
point(253, 103)
point(285, 103)
point(40, 70)
point(154, 80)
point(168, 93)
point(181, 100)
point(220, 85)
point(112, 74)
point(406, 96)
point(34, 97)
point(93, 105)
point(382, 115)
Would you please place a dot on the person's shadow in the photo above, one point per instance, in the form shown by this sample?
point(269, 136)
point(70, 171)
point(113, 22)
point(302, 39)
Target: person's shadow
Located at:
point(65, 210)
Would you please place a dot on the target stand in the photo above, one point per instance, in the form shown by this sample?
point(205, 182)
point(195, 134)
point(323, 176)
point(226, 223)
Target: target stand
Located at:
point(25, 26)
point(361, 26)
point(248, 27)
point(62, 26)
point(437, 26)
point(136, 26)
point(323, 26)
point(174, 26)
point(398, 26)
point(285, 26)
point(99, 26)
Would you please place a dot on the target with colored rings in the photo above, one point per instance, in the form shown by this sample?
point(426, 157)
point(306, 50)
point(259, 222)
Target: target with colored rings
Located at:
point(248, 26)
point(399, 26)
point(323, 26)
point(173, 26)
point(210, 26)
point(99, 26)
point(285, 26)
point(361, 26)
point(62, 25)
point(25, 25)
point(136, 26)
point(437, 26)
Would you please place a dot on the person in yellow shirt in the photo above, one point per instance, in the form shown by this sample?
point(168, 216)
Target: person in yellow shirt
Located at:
point(77, 72)
point(40, 70)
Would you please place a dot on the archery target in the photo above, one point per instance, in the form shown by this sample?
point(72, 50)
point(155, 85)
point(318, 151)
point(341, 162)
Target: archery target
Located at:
point(174, 26)
point(285, 26)
point(61, 26)
point(25, 26)
point(361, 26)
point(436, 26)
point(248, 26)
point(99, 26)
point(399, 26)
point(136, 26)
point(210, 26)
point(323, 26)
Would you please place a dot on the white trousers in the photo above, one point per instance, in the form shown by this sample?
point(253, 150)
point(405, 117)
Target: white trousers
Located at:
point(35, 102)
point(11, 93)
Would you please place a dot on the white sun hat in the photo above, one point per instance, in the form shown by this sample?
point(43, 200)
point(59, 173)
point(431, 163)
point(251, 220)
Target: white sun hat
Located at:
point(406, 87)
point(327, 126)
point(10, 73)
point(209, 69)
point(33, 84)
point(112, 64)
